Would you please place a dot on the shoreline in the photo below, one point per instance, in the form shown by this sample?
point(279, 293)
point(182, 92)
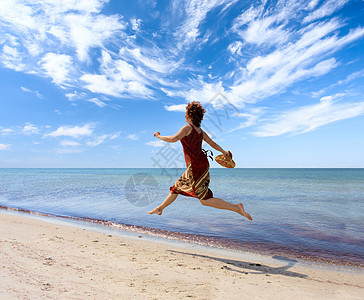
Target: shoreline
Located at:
point(44, 259)
point(195, 239)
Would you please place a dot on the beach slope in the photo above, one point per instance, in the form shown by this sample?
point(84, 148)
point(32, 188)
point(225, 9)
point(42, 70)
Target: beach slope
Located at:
point(46, 260)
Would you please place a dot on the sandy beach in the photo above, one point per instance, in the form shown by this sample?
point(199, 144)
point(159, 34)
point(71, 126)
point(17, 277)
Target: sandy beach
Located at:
point(51, 261)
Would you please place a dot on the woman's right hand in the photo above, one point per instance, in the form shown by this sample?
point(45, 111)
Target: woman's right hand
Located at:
point(157, 134)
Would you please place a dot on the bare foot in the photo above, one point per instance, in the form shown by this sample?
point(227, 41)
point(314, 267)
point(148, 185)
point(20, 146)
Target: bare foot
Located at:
point(157, 211)
point(243, 212)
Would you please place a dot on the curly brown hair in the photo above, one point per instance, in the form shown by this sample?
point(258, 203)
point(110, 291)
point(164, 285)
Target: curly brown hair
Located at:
point(195, 111)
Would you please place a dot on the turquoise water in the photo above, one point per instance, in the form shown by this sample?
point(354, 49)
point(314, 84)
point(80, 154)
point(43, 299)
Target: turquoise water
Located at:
point(316, 213)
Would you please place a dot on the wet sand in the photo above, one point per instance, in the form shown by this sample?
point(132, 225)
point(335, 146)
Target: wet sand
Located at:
point(52, 261)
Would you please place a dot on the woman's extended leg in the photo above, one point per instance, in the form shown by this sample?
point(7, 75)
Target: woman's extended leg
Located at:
point(222, 204)
point(159, 209)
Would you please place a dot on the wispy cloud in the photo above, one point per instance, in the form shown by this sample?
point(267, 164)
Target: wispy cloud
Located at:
point(12, 58)
point(102, 139)
point(269, 47)
point(69, 150)
point(91, 30)
point(97, 101)
point(154, 59)
point(75, 131)
point(310, 117)
point(271, 74)
point(158, 143)
point(132, 137)
point(348, 78)
point(70, 144)
point(251, 116)
point(98, 141)
point(24, 89)
point(195, 12)
point(327, 9)
point(6, 131)
point(263, 31)
point(4, 146)
point(51, 38)
point(75, 95)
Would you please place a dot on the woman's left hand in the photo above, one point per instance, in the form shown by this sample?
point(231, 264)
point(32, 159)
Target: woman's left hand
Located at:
point(157, 134)
point(228, 155)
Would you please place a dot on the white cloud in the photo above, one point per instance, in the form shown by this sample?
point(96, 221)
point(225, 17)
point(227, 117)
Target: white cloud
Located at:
point(251, 116)
point(149, 58)
point(98, 141)
point(58, 67)
point(101, 84)
point(313, 4)
point(135, 23)
point(177, 92)
point(285, 55)
point(271, 74)
point(348, 78)
point(6, 131)
point(328, 8)
point(310, 117)
point(88, 31)
point(70, 144)
point(208, 93)
point(119, 78)
point(235, 47)
point(176, 107)
point(30, 129)
point(263, 32)
point(114, 136)
point(195, 13)
point(11, 58)
point(75, 96)
point(98, 102)
point(270, 53)
point(75, 132)
point(332, 97)
point(266, 24)
point(132, 137)
point(24, 89)
point(4, 146)
point(75, 23)
point(102, 139)
point(352, 76)
point(158, 143)
point(68, 150)
point(53, 38)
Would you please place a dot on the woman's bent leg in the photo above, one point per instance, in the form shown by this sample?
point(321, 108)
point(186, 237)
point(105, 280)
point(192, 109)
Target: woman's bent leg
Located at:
point(222, 204)
point(159, 209)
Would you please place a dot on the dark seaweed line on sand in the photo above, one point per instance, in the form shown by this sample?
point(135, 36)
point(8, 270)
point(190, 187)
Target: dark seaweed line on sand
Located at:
point(260, 248)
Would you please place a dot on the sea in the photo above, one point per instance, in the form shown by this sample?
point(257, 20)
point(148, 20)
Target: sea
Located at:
point(309, 214)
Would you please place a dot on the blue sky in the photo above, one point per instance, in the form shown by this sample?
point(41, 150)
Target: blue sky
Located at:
point(86, 83)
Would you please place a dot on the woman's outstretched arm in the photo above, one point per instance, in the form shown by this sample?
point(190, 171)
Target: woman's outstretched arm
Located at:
point(185, 130)
point(214, 145)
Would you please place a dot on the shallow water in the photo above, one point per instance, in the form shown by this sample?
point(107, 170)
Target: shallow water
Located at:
point(310, 213)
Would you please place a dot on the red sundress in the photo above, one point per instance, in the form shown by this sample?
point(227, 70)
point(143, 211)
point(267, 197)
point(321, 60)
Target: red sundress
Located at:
point(194, 182)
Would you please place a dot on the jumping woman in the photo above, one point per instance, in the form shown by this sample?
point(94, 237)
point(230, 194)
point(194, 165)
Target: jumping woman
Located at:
point(195, 180)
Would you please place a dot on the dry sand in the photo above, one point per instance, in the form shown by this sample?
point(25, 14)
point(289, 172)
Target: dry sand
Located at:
point(42, 260)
